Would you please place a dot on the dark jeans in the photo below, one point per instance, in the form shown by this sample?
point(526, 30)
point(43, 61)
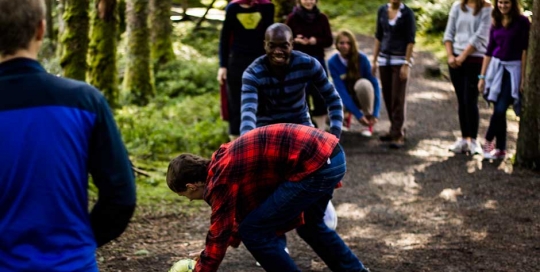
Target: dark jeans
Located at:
point(311, 196)
point(319, 105)
point(394, 92)
point(236, 67)
point(497, 124)
point(465, 81)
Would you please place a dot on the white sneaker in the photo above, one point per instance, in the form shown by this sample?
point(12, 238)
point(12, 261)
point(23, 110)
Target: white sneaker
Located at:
point(367, 132)
point(330, 216)
point(460, 146)
point(475, 147)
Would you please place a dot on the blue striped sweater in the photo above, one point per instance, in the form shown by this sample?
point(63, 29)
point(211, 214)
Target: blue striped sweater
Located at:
point(268, 100)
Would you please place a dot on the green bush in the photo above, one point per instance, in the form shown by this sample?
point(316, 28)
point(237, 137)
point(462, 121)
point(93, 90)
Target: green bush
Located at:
point(431, 16)
point(185, 77)
point(166, 127)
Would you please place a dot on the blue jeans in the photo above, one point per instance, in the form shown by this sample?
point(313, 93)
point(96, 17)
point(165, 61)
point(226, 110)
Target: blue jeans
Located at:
point(497, 124)
point(311, 196)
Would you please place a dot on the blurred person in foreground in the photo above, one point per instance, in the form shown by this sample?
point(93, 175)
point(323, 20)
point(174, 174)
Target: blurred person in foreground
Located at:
point(54, 132)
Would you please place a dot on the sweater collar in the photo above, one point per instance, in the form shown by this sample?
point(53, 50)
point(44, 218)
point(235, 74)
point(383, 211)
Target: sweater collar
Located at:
point(20, 65)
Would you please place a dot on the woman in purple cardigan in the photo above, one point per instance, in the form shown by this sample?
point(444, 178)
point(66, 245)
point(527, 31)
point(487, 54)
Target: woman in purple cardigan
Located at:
point(312, 34)
point(503, 70)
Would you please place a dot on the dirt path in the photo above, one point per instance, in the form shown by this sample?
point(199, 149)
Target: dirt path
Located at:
point(398, 211)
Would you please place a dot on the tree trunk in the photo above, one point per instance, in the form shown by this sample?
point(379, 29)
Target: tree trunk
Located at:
point(102, 71)
point(75, 38)
point(528, 145)
point(138, 79)
point(160, 23)
point(283, 8)
point(50, 20)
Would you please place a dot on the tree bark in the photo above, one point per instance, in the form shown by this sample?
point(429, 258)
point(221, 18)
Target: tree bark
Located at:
point(50, 20)
point(75, 38)
point(528, 145)
point(102, 71)
point(160, 23)
point(138, 79)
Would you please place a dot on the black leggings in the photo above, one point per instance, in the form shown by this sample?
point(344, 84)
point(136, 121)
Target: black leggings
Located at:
point(465, 81)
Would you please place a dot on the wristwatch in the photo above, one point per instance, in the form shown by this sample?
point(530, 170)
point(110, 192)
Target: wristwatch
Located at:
point(481, 76)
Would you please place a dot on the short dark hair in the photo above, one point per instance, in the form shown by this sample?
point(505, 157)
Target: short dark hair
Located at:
point(275, 27)
point(184, 169)
point(19, 20)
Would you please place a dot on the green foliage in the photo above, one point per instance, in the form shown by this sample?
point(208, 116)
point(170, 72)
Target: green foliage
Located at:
point(350, 8)
point(186, 77)
point(431, 16)
point(166, 127)
point(204, 40)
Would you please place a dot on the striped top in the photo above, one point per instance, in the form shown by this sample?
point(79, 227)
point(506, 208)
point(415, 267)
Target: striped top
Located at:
point(268, 100)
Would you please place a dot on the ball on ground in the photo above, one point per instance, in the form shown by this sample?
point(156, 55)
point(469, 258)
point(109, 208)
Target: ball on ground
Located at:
point(185, 265)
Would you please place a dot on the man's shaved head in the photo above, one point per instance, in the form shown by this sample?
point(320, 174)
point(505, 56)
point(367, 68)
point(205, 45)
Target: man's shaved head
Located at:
point(277, 28)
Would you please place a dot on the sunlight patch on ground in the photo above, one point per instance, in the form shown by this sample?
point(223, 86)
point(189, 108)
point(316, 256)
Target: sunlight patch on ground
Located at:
point(491, 204)
point(392, 185)
point(477, 235)
point(426, 95)
point(408, 241)
point(435, 84)
point(451, 195)
point(433, 150)
point(363, 232)
point(351, 211)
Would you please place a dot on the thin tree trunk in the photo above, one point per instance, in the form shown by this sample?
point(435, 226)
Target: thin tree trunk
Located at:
point(528, 145)
point(75, 38)
point(138, 79)
point(50, 21)
point(160, 23)
point(102, 71)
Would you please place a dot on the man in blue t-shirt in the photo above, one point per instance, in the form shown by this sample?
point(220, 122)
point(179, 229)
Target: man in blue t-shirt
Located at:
point(53, 133)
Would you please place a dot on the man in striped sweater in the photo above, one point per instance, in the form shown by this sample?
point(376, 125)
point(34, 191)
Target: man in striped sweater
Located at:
point(273, 86)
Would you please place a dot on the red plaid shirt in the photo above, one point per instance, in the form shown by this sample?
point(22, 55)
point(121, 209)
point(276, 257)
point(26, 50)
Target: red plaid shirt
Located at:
point(243, 173)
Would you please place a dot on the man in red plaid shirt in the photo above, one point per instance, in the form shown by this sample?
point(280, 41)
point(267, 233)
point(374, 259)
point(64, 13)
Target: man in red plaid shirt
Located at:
point(269, 181)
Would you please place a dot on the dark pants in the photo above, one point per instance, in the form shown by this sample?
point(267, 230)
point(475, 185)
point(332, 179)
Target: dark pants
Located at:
point(311, 196)
point(465, 81)
point(319, 105)
point(497, 124)
point(236, 67)
point(394, 91)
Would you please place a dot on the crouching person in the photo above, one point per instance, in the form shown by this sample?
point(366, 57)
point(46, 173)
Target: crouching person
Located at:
point(270, 180)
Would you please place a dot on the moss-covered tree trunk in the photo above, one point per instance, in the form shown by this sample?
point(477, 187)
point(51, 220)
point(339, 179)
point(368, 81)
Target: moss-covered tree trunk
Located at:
point(75, 38)
point(50, 21)
point(102, 71)
point(283, 8)
point(138, 79)
point(161, 26)
point(528, 145)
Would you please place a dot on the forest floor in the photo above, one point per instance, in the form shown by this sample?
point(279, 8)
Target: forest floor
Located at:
point(420, 208)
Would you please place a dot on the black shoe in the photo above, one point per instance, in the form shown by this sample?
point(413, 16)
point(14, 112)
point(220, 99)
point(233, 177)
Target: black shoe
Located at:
point(385, 138)
point(397, 143)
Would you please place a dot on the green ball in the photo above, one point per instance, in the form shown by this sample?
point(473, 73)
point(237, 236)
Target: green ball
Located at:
point(185, 265)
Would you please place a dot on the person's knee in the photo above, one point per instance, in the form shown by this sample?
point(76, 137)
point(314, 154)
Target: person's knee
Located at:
point(363, 86)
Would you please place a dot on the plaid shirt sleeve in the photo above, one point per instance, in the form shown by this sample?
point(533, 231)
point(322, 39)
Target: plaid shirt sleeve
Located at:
point(222, 228)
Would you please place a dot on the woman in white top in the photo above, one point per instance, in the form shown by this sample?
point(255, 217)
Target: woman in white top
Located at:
point(466, 38)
